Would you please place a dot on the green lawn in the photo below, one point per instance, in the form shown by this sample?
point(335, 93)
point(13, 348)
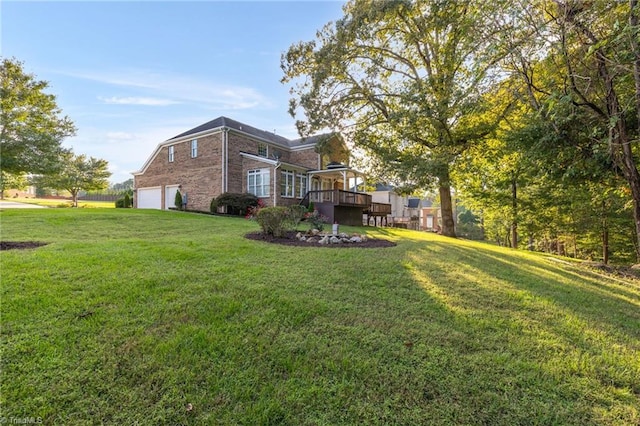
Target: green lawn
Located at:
point(47, 202)
point(152, 317)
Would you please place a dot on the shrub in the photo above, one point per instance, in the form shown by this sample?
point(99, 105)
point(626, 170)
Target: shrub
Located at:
point(296, 213)
point(236, 203)
point(316, 220)
point(120, 203)
point(277, 221)
point(252, 211)
point(178, 200)
point(273, 220)
point(127, 201)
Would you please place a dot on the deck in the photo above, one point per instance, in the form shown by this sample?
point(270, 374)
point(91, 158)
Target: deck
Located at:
point(346, 207)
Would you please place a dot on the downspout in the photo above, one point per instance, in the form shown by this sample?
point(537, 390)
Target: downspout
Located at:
point(224, 160)
point(275, 180)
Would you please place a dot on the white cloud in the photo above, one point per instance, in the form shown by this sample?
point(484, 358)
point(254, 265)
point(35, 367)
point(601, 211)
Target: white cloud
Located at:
point(158, 87)
point(120, 136)
point(136, 100)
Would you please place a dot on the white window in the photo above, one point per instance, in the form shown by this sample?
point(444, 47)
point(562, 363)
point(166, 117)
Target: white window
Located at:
point(302, 185)
point(194, 148)
point(287, 183)
point(263, 150)
point(172, 152)
point(258, 182)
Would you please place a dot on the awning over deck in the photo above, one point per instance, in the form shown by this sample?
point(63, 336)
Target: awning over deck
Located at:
point(349, 178)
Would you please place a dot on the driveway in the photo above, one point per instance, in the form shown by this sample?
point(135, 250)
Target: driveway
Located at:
point(5, 204)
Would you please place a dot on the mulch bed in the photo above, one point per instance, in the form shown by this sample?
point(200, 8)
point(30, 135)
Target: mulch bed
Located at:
point(291, 240)
point(20, 245)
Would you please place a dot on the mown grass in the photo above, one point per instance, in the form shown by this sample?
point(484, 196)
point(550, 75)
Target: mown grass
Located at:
point(48, 202)
point(129, 316)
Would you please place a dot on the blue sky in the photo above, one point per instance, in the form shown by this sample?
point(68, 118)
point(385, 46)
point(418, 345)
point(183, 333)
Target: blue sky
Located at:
point(134, 74)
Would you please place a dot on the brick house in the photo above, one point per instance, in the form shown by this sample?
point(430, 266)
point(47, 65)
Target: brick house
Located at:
point(224, 155)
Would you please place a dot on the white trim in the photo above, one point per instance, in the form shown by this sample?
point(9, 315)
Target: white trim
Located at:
point(302, 147)
point(196, 135)
point(258, 158)
point(224, 160)
point(296, 167)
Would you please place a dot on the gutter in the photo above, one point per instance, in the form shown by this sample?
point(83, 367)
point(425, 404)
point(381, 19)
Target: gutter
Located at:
point(275, 180)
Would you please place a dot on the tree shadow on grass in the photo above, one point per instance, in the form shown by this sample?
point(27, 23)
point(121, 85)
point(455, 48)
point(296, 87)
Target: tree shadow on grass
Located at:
point(600, 301)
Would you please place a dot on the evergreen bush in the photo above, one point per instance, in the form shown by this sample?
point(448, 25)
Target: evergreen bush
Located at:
point(178, 201)
point(236, 203)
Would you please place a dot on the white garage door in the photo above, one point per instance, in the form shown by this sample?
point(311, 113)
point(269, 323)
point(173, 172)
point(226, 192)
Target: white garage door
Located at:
point(150, 198)
point(170, 196)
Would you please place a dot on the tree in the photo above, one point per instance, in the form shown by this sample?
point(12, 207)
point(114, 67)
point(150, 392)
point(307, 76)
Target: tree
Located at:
point(31, 125)
point(592, 50)
point(77, 173)
point(405, 81)
point(123, 186)
point(12, 181)
point(178, 200)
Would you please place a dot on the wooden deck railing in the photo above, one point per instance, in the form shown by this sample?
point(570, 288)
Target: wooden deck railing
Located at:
point(338, 197)
point(378, 209)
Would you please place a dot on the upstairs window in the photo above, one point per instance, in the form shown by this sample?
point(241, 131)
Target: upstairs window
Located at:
point(263, 150)
point(172, 152)
point(194, 148)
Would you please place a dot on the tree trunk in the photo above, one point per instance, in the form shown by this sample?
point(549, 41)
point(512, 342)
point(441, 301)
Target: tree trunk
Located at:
point(514, 213)
point(446, 205)
point(74, 198)
point(605, 244)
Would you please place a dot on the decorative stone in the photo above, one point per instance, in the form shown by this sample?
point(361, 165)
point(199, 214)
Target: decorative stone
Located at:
point(335, 240)
point(312, 240)
point(314, 232)
point(303, 238)
point(324, 240)
point(299, 235)
point(355, 239)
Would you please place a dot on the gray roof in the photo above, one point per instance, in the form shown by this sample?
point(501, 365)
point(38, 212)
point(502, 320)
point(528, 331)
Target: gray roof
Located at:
point(229, 123)
point(383, 187)
point(413, 203)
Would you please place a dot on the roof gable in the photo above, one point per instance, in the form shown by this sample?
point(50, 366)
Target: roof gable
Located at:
point(226, 122)
point(222, 122)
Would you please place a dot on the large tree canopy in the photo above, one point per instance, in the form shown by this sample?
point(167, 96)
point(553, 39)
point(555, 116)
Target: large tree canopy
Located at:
point(405, 81)
point(584, 80)
point(31, 125)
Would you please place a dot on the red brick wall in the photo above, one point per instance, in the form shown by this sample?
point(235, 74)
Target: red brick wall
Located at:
point(200, 177)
